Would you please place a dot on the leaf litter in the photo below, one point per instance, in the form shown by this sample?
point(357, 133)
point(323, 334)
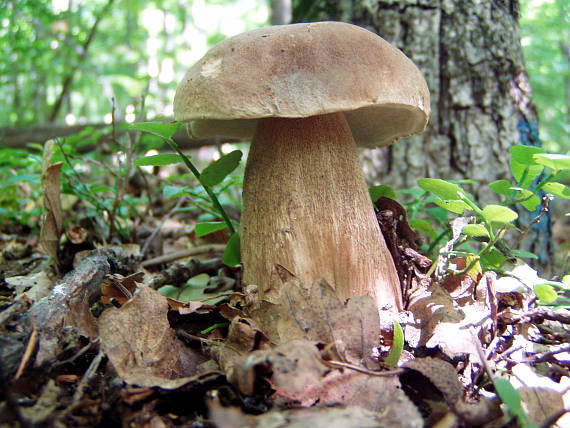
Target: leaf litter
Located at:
point(100, 346)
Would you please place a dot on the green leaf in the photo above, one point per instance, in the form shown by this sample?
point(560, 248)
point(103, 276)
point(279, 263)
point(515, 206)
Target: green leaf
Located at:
point(532, 172)
point(174, 191)
point(524, 254)
point(203, 229)
point(502, 187)
point(397, 346)
point(444, 189)
point(213, 327)
point(494, 259)
point(552, 160)
point(530, 200)
point(475, 230)
point(218, 170)
point(456, 206)
point(232, 252)
point(169, 291)
point(376, 192)
point(557, 189)
point(545, 293)
point(499, 214)
point(161, 129)
point(158, 160)
point(524, 154)
point(510, 396)
point(438, 213)
point(423, 226)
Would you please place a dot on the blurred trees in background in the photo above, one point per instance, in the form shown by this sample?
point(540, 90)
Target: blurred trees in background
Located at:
point(63, 61)
point(80, 54)
point(545, 28)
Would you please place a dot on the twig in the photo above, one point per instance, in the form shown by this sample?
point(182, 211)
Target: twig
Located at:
point(30, 348)
point(543, 211)
point(160, 224)
point(339, 365)
point(87, 376)
point(539, 358)
point(170, 257)
point(79, 353)
point(537, 315)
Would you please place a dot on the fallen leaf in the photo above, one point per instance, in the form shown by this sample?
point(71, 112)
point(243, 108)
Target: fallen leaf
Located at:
point(140, 344)
point(318, 314)
point(119, 288)
point(52, 225)
point(454, 326)
point(330, 417)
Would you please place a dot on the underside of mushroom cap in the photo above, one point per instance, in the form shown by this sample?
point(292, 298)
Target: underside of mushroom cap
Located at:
point(303, 70)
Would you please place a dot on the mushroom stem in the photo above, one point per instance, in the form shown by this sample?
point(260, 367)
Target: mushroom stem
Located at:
point(307, 208)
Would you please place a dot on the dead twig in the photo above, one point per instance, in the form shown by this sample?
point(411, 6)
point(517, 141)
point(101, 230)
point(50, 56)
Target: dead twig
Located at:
point(537, 315)
point(170, 257)
point(30, 348)
point(341, 365)
point(161, 223)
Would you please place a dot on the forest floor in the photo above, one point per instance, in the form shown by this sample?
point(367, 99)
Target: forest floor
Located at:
point(93, 343)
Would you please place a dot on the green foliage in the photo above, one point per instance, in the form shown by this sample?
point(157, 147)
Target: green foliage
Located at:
point(211, 176)
point(511, 398)
point(545, 28)
point(139, 48)
point(195, 290)
point(203, 229)
point(481, 240)
point(20, 172)
point(215, 173)
point(158, 160)
point(397, 346)
point(232, 255)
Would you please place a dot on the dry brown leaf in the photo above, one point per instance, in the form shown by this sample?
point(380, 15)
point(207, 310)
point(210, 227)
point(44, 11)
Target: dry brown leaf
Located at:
point(444, 377)
point(52, 225)
point(118, 288)
point(295, 369)
point(441, 374)
point(318, 314)
point(141, 345)
point(452, 325)
point(330, 417)
point(300, 378)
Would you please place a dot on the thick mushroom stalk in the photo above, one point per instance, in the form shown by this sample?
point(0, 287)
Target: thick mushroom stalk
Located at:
point(307, 209)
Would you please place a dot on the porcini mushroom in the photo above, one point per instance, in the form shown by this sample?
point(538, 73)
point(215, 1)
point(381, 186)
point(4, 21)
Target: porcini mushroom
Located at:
point(307, 94)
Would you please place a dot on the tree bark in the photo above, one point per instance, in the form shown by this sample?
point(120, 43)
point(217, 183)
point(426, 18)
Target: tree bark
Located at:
point(471, 56)
point(280, 12)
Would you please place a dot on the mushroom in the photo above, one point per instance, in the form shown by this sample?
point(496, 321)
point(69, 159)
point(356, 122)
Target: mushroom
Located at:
point(307, 94)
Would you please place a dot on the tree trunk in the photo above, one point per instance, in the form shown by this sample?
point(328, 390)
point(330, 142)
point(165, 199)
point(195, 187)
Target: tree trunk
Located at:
point(470, 54)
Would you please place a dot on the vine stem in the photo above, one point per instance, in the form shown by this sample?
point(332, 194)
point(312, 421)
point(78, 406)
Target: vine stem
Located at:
point(208, 189)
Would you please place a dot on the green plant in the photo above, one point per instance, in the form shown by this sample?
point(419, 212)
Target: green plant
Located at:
point(20, 172)
point(212, 176)
point(534, 172)
point(512, 400)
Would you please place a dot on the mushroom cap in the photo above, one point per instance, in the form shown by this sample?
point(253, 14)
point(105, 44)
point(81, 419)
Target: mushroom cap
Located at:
point(303, 70)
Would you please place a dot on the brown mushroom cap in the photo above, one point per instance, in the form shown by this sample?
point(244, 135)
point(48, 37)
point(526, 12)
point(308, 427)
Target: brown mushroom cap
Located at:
point(303, 70)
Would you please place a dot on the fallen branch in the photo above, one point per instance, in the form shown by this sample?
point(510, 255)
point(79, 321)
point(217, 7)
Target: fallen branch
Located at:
point(19, 137)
